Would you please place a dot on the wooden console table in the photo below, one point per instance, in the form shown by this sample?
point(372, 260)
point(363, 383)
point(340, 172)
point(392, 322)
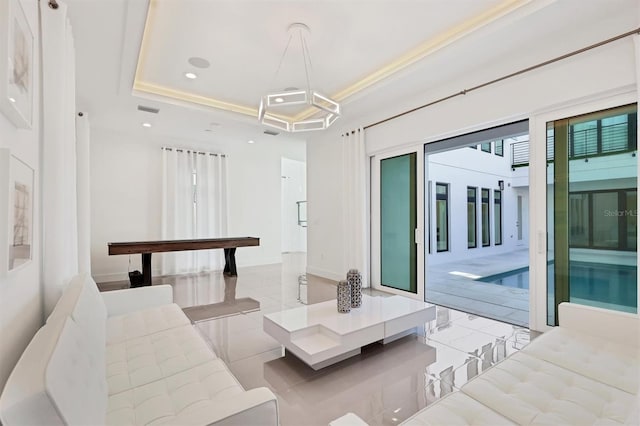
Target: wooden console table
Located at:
point(147, 247)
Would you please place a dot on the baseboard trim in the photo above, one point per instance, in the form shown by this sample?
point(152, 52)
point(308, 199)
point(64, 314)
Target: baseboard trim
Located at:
point(262, 262)
point(122, 276)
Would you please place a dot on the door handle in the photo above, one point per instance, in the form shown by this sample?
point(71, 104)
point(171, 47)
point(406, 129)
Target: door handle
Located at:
point(417, 235)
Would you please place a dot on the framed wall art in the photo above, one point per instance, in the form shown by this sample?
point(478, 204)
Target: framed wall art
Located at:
point(20, 213)
point(16, 64)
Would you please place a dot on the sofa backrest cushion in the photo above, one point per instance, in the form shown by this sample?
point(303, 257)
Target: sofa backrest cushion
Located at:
point(82, 301)
point(75, 378)
point(67, 301)
point(614, 326)
point(56, 381)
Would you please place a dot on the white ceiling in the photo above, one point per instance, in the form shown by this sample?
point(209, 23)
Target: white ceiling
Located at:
point(360, 50)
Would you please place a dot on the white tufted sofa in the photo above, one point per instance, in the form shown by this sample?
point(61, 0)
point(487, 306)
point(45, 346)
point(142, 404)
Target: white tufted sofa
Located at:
point(126, 357)
point(584, 372)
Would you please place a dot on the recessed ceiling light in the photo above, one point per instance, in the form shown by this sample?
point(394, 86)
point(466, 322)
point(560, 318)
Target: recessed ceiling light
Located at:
point(190, 75)
point(250, 142)
point(12, 100)
point(199, 62)
point(279, 100)
point(146, 124)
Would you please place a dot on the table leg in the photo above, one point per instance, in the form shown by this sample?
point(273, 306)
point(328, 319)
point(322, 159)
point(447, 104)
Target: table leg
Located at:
point(146, 268)
point(230, 262)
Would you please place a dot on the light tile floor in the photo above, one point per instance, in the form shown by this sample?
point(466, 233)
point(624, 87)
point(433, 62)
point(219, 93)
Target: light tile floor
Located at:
point(456, 291)
point(384, 385)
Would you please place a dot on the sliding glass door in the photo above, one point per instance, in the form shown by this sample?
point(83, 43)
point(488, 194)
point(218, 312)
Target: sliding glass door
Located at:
point(592, 211)
point(396, 241)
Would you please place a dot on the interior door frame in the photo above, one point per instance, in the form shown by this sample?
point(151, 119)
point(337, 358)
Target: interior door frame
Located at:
point(375, 220)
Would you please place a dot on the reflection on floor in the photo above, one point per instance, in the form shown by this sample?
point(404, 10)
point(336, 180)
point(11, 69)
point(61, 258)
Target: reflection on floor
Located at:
point(454, 285)
point(384, 385)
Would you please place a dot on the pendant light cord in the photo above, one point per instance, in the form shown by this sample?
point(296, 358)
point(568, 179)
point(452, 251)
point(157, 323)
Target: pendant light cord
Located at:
point(284, 53)
point(306, 56)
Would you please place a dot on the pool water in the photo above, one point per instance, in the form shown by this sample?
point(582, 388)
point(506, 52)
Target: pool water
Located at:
point(614, 284)
point(517, 278)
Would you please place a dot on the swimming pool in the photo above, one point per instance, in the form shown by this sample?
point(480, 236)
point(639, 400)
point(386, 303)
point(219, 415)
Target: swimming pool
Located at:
point(598, 282)
point(517, 278)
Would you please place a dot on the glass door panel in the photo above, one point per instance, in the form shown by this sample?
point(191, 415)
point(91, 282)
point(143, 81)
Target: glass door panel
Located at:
point(398, 222)
point(592, 211)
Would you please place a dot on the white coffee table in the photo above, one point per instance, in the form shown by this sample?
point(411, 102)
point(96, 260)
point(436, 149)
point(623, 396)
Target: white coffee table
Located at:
point(320, 336)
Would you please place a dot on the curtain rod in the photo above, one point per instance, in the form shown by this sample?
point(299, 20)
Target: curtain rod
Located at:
point(195, 152)
point(505, 77)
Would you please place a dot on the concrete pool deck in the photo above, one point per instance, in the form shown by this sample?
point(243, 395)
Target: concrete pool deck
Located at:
point(454, 285)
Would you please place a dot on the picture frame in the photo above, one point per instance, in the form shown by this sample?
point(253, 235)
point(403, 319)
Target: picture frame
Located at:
point(16, 64)
point(20, 215)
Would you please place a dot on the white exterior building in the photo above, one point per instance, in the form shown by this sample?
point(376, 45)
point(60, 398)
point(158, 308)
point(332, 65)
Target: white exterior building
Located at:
point(484, 169)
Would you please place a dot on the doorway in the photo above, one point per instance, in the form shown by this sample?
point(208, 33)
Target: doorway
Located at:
point(293, 206)
point(476, 192)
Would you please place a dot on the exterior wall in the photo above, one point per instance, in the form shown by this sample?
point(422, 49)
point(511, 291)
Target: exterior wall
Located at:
point(618, 171)
point(462, 168)
point(465, 167)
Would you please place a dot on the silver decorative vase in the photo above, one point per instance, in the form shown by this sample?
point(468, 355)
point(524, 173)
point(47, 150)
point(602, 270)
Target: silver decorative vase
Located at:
point(355, 282)
point(344, 297)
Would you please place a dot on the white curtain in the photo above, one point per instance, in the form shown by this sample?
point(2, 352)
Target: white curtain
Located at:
point(355, 222)
point(194, 205)
point(211, 207)
point(59, 204)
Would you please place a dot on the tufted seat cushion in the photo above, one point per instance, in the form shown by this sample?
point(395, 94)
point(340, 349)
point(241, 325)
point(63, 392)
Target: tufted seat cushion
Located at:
point(142, 360)
point(144, 322)
point(605, 361)
point(457, 409)
point(528, 390)
point(173, 399)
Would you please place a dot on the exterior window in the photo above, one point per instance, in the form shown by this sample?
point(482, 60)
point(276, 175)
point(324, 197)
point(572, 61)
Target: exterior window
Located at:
point(497, 215)
point(632, 220)
point(486, 147)
point(486, 227)
point(499, 148)
point(474, 147)
point(603, 136)
point(579, 220)
point(442, 217)
point(472, 195)
point(584, 138)
point(603, 219)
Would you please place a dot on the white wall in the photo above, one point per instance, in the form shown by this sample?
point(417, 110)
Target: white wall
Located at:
point(21, 307)
point(324, 206)
point(514, 99)
point(294, 189)
point(126, 195)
